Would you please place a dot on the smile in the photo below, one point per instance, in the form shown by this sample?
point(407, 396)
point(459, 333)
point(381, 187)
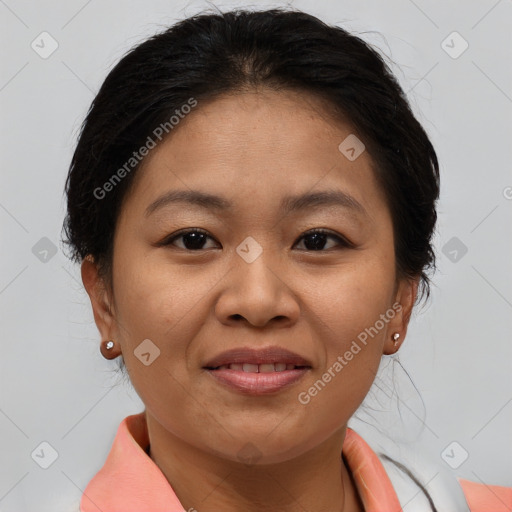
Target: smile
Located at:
point(259, 368)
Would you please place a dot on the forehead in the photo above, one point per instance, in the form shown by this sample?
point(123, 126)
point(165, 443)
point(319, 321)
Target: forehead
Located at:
point(239, 125)
point(256, 145)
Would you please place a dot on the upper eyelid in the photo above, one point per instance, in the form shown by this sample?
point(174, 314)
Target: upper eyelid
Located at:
point(325, 231)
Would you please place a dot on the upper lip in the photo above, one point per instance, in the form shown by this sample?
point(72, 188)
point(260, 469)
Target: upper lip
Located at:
point(257, 356)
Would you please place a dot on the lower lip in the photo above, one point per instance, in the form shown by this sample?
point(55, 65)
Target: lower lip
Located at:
point(258, 383)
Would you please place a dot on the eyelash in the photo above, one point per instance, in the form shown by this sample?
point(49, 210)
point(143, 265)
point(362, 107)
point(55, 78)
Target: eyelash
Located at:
point(342, 241)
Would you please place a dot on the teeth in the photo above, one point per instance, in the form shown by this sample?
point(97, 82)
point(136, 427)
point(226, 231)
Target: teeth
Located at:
point(247, 367)
point(258, 368)
point(266, 368)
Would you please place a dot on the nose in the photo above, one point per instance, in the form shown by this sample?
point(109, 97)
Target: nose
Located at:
point(258, 293)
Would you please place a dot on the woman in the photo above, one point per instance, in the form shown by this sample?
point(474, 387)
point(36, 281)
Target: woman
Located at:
point(252, 203)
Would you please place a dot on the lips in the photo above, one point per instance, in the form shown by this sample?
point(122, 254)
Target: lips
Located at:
point(261, 360)
point(256, 372)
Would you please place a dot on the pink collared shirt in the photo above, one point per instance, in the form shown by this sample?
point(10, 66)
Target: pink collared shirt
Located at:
point(130, 481)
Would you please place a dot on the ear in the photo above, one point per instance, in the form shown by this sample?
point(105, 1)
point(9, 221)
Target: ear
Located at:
point(402, 305)
point(99, 296)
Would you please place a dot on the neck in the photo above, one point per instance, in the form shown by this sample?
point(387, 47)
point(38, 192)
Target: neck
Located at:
point(318, 480)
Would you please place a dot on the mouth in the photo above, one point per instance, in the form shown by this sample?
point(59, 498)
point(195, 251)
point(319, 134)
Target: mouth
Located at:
point(259, 368)
point(257, 371)
point(257, 360)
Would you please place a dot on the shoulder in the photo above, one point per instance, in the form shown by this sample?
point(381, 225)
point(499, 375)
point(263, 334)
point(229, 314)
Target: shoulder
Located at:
point(441, 486)
point(483, 498)
point(409, 471)
point(446, 489)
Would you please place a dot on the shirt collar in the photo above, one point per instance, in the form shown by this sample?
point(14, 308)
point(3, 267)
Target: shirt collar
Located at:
point(130, 481)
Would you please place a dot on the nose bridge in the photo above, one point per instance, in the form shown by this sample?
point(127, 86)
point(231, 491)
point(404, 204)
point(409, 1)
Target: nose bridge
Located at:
point(256, 290)
point(257, 260)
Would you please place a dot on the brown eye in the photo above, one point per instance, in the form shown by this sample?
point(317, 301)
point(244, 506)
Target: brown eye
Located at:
point(193, 239)
point(315, 240)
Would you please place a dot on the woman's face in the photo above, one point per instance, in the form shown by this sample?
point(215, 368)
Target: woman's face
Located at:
point(256, 279)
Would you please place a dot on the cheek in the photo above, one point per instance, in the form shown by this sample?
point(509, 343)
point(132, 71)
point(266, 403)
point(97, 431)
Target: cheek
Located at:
point(352, 310)
point(153, 297)
point(352, 296)
point(353, 351)
point(159, 302)
point(153, 304)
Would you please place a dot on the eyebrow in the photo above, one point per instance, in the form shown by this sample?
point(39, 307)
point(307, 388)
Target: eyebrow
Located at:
point(289, 204)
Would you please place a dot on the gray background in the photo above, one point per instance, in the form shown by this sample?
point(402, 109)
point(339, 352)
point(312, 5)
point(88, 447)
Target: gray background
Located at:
point(54, 384)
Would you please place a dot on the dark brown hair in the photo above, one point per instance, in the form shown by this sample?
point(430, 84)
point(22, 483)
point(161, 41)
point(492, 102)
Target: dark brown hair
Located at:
point(209, 55)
